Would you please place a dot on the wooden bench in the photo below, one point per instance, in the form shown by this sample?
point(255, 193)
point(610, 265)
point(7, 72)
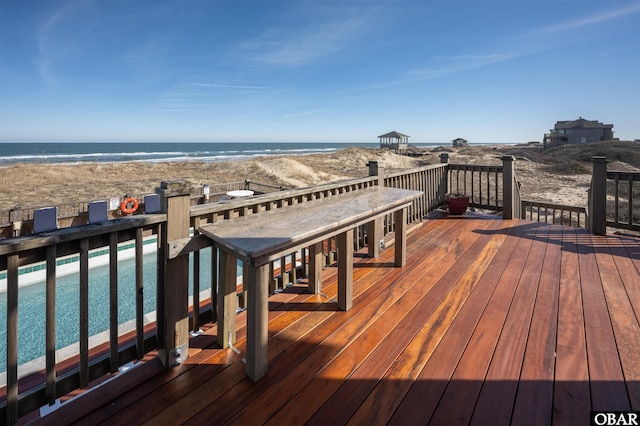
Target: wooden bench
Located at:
point(261, 238)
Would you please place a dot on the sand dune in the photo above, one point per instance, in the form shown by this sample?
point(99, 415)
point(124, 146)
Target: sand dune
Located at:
point(36, 185)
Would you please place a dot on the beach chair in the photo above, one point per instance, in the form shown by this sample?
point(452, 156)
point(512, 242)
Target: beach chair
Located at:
point(45, 219)
point(98, 212)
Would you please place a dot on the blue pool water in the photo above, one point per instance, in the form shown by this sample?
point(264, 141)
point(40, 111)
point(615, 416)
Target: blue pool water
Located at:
point(31, 305)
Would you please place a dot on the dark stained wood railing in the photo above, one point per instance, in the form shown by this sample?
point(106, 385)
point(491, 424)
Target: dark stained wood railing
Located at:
point(48, 247)
point(614, 198)
point(623, 203)
point(483, 184)
point(552, 213)
point(430, 180)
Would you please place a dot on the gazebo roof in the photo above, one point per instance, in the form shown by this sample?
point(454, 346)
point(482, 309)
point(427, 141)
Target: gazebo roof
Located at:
point(394, 134)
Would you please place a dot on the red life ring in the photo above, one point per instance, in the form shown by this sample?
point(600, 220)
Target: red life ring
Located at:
point(125, 205)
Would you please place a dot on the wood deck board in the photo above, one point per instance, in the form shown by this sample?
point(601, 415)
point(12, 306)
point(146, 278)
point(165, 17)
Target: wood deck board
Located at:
point(625, 324)
point(572, 398)
point(491, 320)
point(442, 305)
point(306, 402)
point(535, 389)
point(426, 391)
point(605, 371)
point(495, 406)
point(461, 391)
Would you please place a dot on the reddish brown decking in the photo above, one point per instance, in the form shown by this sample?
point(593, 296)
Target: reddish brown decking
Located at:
point(491, 322)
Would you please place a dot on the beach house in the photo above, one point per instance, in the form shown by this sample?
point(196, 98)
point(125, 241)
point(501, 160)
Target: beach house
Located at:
point(578, 131)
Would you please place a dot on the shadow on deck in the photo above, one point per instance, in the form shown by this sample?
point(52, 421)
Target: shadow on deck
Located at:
point(491, 322)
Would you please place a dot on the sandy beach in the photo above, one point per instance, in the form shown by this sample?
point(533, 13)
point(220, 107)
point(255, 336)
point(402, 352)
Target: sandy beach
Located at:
point(543, 178)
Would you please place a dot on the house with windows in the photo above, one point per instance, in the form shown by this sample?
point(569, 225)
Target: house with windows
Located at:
point(578, 131)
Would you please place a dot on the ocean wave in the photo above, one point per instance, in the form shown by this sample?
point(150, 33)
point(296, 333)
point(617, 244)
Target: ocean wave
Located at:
point(156, 156)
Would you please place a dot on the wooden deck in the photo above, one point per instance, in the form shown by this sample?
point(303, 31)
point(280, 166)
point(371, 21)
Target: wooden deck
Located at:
point(491, 322)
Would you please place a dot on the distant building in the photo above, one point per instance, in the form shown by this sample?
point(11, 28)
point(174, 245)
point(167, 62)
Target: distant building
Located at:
point(458, 142)
point(394, 141)
point(578, 131)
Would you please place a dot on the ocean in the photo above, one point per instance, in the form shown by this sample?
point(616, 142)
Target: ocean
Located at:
point(74, 153)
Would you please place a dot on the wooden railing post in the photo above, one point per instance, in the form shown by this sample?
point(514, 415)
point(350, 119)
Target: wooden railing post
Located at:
point(175, 314)
point(508, 196)
point(376, 168)
point(444, 184)
point(375, 233)
point(15, 217)
point(598, 196)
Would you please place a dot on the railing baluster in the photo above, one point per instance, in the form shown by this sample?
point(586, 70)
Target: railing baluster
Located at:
point(630, 221)
point(12, 339)
point(214, 283)
point(616, 197)
point(480, 189)
point(113, 302)
point(496, 194)
point(50, 324)
point(139, 258)
point(84, 312)
point(196, 290)
point(294, 274)
point(488, 204)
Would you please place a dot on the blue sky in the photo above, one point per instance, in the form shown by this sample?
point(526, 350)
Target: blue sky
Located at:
point(343, 70)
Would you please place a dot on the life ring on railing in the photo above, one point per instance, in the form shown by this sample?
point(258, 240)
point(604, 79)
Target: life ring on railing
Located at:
point(125, 205)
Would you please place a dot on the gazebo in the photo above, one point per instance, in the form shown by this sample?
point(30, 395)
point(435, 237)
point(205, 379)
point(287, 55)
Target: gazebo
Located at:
point(395, 141)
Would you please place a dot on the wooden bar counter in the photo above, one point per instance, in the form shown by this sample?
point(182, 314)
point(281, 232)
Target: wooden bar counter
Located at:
point(261, 238)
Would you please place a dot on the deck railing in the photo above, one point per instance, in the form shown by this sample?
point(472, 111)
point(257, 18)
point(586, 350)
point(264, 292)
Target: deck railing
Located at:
point(48, 248)
point(76, 213)
point(623, 201)
point(483, 184)
point(614, 199)
point(552, 213)
point(175, 314)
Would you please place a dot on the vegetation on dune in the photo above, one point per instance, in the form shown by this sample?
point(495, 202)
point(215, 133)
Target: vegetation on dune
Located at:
point(576, 159)
point(627, 152)
point(570, 168)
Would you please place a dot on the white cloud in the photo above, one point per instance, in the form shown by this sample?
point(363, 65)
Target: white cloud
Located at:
point(291, 47)
point(446, 65)
point(585, 21)
point(49, 44)
point(457, 63)
point(44, 59)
